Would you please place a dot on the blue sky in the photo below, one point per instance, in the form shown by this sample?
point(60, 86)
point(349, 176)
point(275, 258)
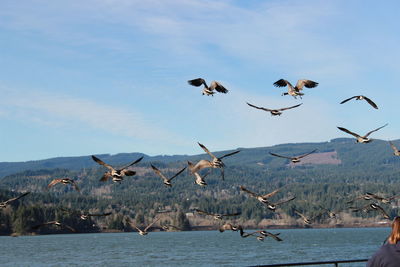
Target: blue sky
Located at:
point(108, 76)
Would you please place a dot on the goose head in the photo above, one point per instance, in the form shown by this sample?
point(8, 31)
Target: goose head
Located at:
point(84, 217)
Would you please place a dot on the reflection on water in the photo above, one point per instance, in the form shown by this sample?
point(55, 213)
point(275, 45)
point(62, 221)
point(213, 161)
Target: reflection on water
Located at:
point(190, 248)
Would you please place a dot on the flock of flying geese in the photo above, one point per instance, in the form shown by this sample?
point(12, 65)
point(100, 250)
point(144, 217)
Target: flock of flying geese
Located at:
point(117, 174)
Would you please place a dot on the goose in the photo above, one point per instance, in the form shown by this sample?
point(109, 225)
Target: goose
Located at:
point(295, 91)
point(64, 181)
point(369, 207)
point(274, 112)
point(7, 202)
point(216, 215)
point(199, 179)
point(273, 206)
point(262, 198)
point(229, 226)
point(56, 223)
point(295, 159)
point(170, 227)
point(208, 90)
point(117, 175)
point(331, 214)
point(361, 97)
point(370, 196)
point(274, 236)
point(255, 234)
point(361, 139)
point(85, 215)
point(144, 232)
point(215, 163)
point(308, 220)
point(166, 181)
point(396, 152)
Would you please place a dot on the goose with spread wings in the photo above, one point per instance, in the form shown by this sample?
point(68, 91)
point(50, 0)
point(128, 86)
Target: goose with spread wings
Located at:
point(7, 202)
point(216, 215)
point(307, 219)
point(264, 199)
point(396, 152)
point(64, 181)
point(369, 207)
point(215, 163)
point(371, 196)
point(56, 223)
point(85, 215)
point(199, 179)
point(295, 91)
point(208, 90)
point(361, 97)
point(274, 112)
point(144, 231)
point(229, 226)
point(117, 175)
point(166, 181)
point(361, 139)
point(294, 159)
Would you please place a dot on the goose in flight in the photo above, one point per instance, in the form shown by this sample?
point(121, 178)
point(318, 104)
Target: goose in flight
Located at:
point(199, 179)
point(295, 159)
point(209, 90)
point(216, 215)
point(369, 207)
point(274, 236)
point(295, 91)
point(361, 139)
point(274, 112)
point(370, 196)
point(144, 232)
point(64, 181)
point(306, 219)
point(7, 202)
point(56, 223)
point(264, 199)
point(361, 97)
point(117, 175)
point(229, 226)
point(396, 152)
point(85, 215)
point(215, 163)
point(166, 181)
point(170, 227)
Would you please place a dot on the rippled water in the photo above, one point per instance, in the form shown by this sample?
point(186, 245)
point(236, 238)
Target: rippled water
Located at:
point(205, 248)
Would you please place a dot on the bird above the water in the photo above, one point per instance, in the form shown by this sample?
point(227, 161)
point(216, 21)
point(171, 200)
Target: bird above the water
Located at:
point(229, 226)
point(170, 227)
point(274, 236)
point(56, 223)
point(295, 91)
point(144, 232)
point(216, 215)
point(369, 207)
point(7, 202)
point(215, 163)
point(370, 196)
point(208, 90)
point(361, 97)
point(396, 152)
point(117, 175)
point(199, 179)
point(306, 219)
point(274, 112)
point(264, 199)
point(85, 215)
point(64, 181)
point(166, 181)
point(361, 139)
point(294, 159)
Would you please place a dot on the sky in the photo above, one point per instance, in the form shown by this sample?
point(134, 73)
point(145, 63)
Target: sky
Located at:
point(110, 76)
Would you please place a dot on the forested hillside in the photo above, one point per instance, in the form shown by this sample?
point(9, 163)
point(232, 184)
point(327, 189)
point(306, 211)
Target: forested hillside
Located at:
point(339, 171)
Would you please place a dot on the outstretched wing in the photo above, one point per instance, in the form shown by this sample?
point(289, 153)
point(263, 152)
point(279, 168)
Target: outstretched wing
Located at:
point(105, 177)
point(248, 191)
point(349, 132)
point(231, 214)
point(218, 87)
point(207, 151)
point(393, 146)
point(100, 214)
point(307, 83)
point(280, 156)
point(54, 182)
point(177, 173)
point(281, 83)
point(197, 82)
point(204, 212)
point(150, 225)
point(274, 236)
point(301, 214)
point(381, 210)
point(273, 193)
point(265, 109)
point(377, 129)
point(371, 102)
point(99, 161)
point(284, 201)
point(229, 154)
point(304, 155)
point(133, 163)
point(158, 172)
point(282, 109)
point(348, 99)
point(15, 198)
